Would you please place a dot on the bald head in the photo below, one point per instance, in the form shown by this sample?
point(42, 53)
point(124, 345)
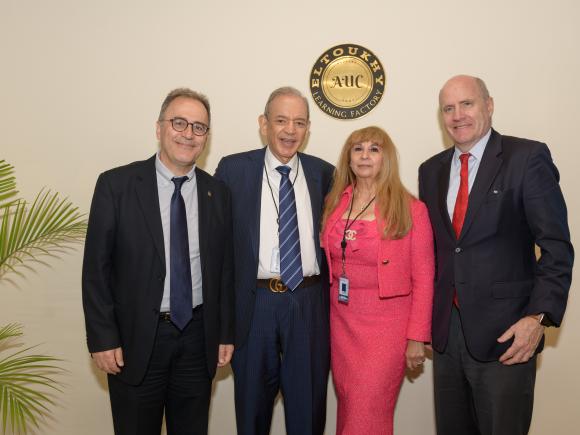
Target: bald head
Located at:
point(466, 108)
point(467, 80)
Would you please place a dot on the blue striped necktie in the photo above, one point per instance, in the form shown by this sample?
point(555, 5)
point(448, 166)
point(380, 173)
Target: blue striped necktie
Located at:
point(180, 297)
point(288, 234)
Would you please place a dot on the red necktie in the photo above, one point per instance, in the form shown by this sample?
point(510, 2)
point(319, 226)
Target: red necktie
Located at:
point(462, 195)
point(461, 203)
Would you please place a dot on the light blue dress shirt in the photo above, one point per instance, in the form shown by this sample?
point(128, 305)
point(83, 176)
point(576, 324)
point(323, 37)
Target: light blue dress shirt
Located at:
point(165, 188)
point(472, 166)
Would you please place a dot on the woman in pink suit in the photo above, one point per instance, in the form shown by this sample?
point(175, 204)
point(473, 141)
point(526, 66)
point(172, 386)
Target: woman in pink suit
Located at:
point(379, 248)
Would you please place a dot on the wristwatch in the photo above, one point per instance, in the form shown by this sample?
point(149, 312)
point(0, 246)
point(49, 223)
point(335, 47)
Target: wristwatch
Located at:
point(544, 320)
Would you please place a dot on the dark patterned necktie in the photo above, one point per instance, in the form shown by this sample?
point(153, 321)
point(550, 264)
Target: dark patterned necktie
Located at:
point(288, 234)
point(180, 297)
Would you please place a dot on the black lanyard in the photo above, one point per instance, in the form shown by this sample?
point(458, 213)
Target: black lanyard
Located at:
point(348, 225)
point(272, 192)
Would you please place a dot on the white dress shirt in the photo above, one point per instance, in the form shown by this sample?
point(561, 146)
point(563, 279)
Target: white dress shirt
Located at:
point(269, 216)
point(472, 167)
point(165, 188)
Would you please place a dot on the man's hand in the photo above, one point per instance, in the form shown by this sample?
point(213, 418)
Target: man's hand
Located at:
point(225, 353)
point(109, 361)
point(527, 333)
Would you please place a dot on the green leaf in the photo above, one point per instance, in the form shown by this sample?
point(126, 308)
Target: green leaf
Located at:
point(7, 184)
point(47, 228)
point(9, 331)
point(26, 382)
point(28, 233)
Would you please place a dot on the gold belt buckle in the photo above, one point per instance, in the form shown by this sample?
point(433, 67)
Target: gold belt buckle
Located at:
point(276, 285)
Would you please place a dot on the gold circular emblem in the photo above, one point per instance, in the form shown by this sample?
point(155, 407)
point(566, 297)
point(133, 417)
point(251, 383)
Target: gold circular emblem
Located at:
point(347, 81)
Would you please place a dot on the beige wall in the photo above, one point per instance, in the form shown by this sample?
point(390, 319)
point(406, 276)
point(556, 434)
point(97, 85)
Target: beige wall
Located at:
point(81, 84)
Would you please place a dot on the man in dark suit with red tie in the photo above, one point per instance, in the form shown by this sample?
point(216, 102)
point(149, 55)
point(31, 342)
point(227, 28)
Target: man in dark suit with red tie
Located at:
point(491, 200)
point(158, 278)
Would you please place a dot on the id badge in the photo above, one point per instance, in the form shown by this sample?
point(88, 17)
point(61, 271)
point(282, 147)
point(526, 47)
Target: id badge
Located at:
point(275, 261)
point(343, 287)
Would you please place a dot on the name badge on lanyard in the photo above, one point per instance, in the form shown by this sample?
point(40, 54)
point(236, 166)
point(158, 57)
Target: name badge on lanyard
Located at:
point(343, 283)
point(343, 287)
point(275, 261)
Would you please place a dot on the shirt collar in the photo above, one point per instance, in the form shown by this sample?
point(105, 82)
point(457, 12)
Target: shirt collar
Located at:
point(166, 174)
point(476, 151)
point(272, 162)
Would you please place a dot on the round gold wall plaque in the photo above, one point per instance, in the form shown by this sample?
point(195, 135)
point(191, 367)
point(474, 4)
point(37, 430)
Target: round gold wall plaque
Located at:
point(347, 81)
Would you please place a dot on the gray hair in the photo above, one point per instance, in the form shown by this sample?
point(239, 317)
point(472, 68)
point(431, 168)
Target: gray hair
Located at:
point(286, 90)
point(186, 93)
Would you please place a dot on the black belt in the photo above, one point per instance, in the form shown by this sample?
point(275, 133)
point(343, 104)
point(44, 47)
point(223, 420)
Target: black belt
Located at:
point(165, 316)
point(277, 286)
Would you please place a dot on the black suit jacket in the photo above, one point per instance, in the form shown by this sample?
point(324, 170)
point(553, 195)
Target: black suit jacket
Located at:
point(124, 265)
point(515, 203)
point(243, 174)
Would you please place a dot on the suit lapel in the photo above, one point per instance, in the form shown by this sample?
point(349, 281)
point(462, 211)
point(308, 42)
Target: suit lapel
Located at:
point(312, 176)
point(148, 196)
point(488, 169)
point(204, 205)
point(254, 191)
point(442, 191)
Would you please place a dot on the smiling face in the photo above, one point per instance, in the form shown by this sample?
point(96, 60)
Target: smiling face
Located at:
point(366, 160)
point(286, 126)
point(466, 111)
point(179, 150)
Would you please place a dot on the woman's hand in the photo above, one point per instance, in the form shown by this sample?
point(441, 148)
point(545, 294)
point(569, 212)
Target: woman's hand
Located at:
point(415, 354)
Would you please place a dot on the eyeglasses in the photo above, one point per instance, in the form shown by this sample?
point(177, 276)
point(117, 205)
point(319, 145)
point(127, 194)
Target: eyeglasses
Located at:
point(180, 124)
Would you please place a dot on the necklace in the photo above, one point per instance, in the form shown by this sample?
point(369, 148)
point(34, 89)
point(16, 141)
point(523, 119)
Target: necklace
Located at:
point(365, 204)
point(347, 228)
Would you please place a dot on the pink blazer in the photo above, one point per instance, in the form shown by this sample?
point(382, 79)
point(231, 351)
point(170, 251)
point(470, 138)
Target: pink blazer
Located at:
point(405, 266)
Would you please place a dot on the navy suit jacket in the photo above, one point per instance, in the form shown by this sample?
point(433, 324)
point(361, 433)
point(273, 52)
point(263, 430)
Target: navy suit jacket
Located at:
point(515, 203)
point(124, 265)
point(243, 174)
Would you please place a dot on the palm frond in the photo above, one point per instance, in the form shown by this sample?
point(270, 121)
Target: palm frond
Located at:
point(26, 382)
point(9, 331)
point(7, 184)
point(47, 227)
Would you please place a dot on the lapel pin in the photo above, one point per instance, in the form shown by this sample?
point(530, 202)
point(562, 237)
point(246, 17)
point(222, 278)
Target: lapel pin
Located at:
point(209, 193)
point(495, 192)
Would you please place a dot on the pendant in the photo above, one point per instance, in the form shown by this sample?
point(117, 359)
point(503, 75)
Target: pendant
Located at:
point(350, 234)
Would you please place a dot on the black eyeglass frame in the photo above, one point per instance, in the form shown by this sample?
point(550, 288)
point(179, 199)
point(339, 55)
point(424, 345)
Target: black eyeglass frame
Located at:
point(197, 128)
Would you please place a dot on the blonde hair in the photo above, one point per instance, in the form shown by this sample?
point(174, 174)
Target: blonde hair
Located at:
point(392, 198)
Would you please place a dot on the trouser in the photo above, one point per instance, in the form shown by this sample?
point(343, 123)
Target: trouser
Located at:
point(287, 349)
point(480, 398)
point(177, 382)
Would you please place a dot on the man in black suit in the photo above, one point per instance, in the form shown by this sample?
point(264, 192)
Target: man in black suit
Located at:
point(491, 200)
point(158, 278)
point(282, 336)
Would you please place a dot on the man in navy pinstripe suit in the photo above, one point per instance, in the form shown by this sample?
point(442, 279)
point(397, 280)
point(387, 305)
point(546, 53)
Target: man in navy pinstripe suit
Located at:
point(282, 337)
